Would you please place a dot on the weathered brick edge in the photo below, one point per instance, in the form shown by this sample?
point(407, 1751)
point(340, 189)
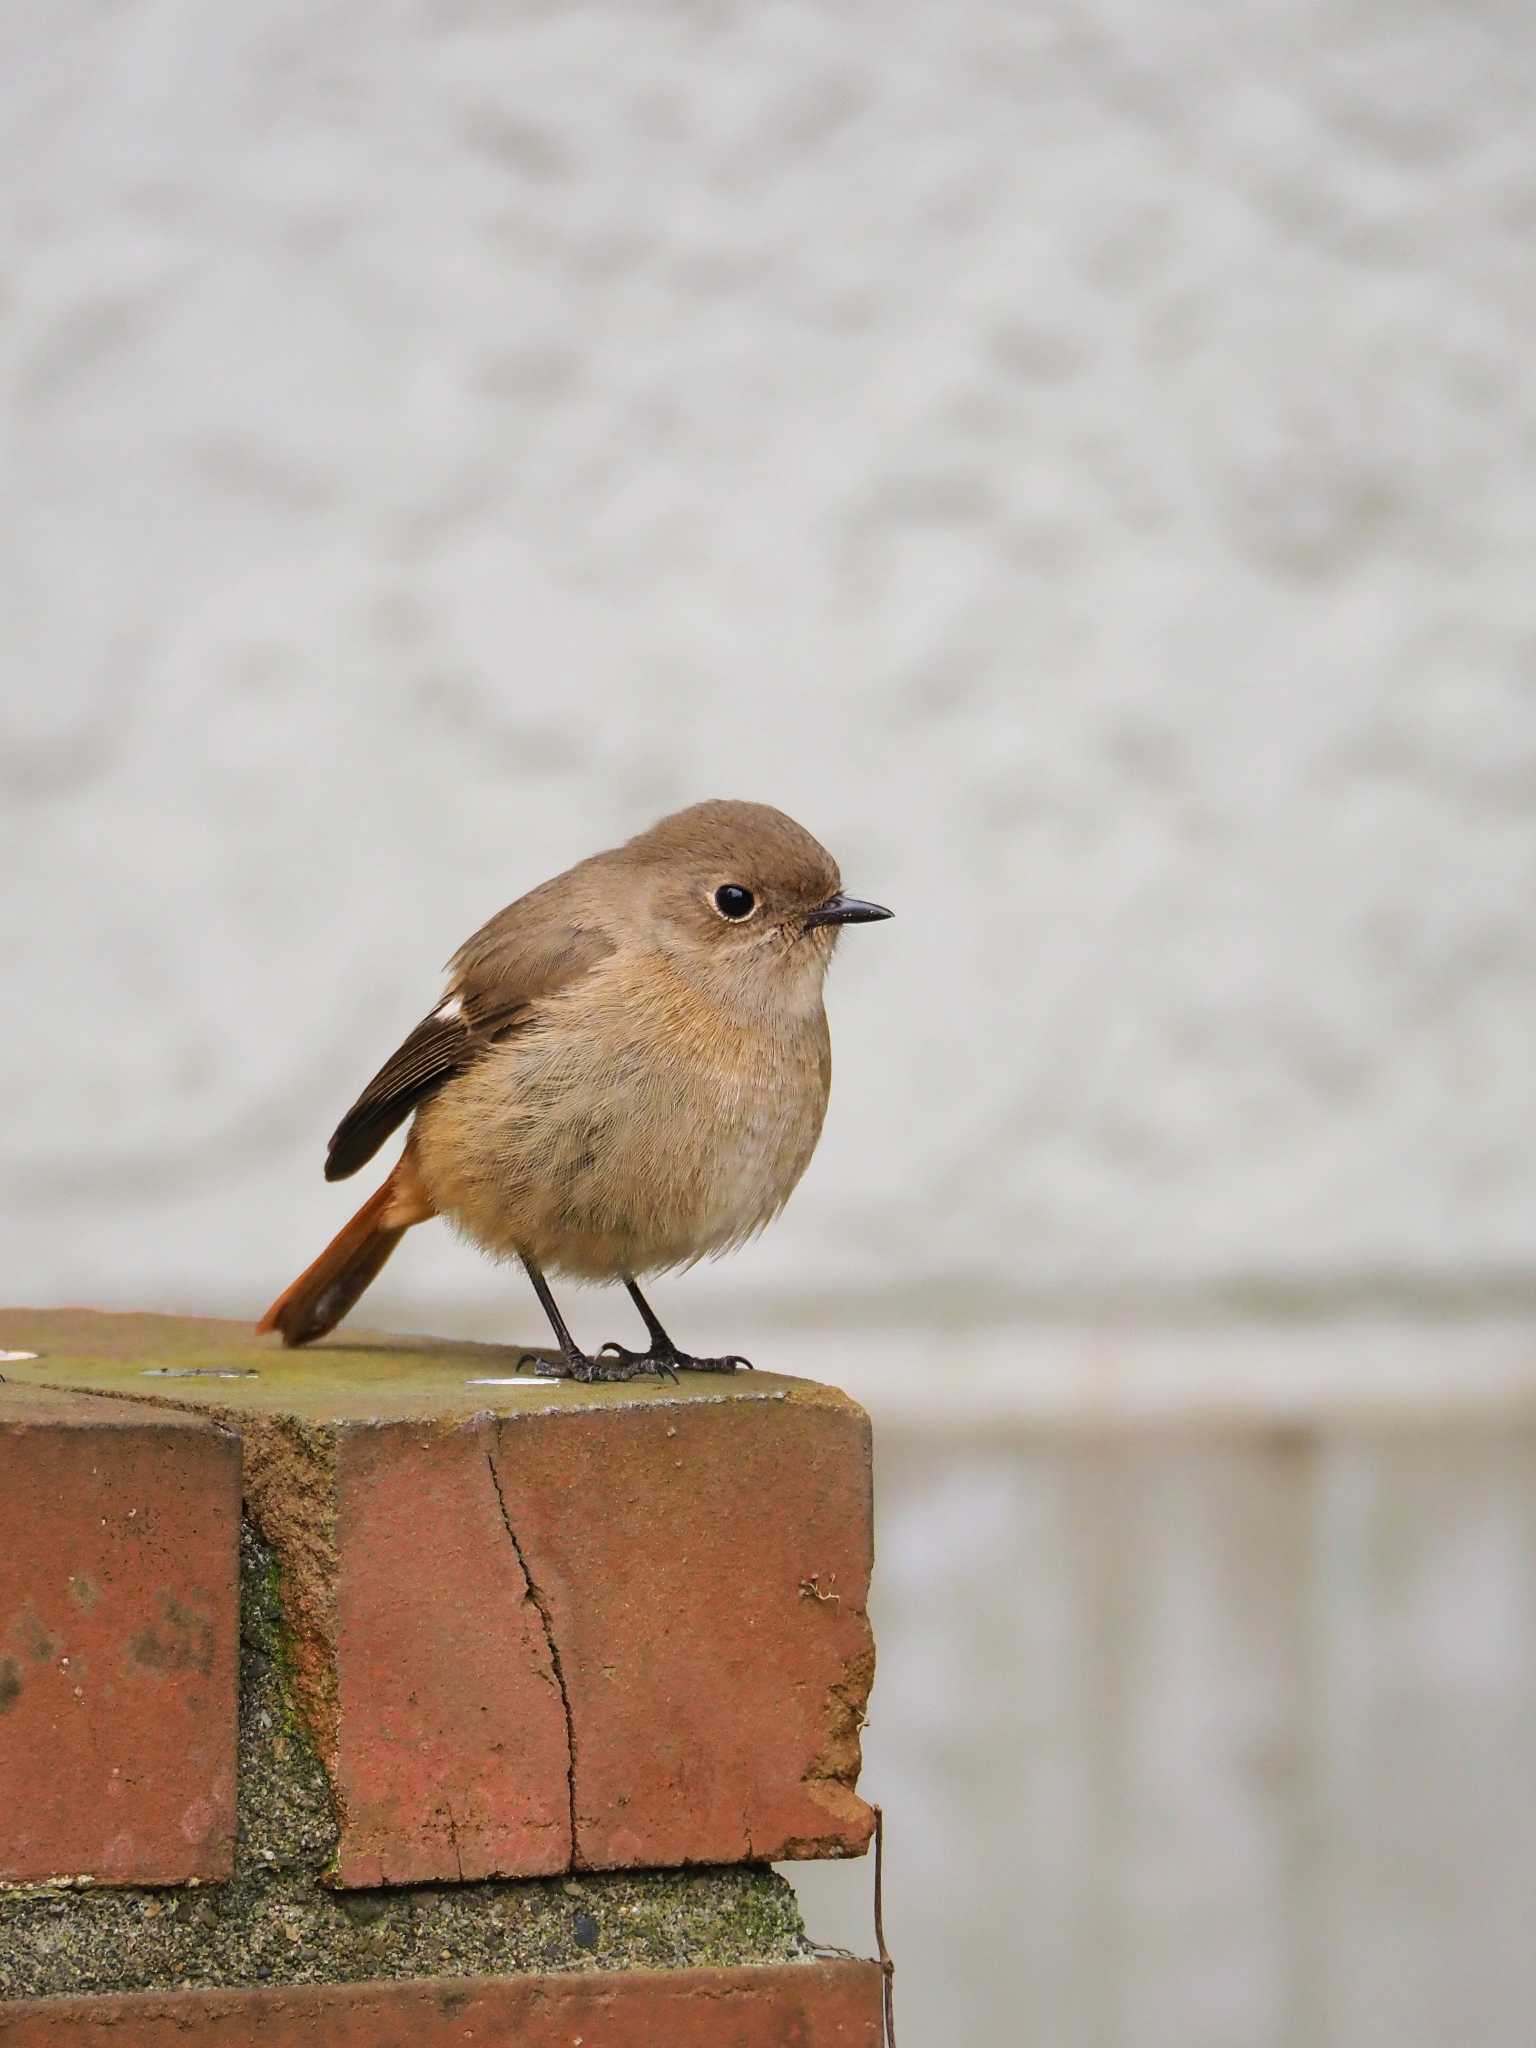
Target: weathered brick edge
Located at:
point(826, 2004)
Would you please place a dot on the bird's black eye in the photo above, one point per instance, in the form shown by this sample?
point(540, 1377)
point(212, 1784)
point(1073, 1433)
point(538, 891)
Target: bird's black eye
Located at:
point(734, 902)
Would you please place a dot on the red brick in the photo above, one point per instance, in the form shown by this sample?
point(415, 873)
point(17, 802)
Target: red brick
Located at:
point(544, 1627)
point(119, 1637)
point(704, 1568)
point(796, 2005)
point(634, 1587)
point(450, 1739)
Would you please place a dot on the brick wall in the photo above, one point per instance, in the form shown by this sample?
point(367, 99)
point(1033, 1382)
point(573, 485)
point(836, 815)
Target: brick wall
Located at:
point(494, 1677)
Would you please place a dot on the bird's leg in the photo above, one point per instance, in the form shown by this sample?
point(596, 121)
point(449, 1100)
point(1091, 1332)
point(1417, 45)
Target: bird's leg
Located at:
point(663, 1351)
point(574, 1362)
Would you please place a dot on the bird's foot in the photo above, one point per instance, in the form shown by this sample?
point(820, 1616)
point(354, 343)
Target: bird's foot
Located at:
point(628, 1365)
point(576, 1365)
point(668, 1359)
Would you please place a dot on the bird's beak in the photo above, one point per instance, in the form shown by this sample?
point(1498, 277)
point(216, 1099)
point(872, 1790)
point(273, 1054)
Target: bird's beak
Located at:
point(845, 910)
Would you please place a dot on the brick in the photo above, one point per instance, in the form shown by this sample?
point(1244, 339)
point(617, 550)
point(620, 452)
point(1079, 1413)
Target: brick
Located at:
point(703, 1566)
point(119, 1638)
point(830, 2004)
point(543, 1627)
point(450, 1752)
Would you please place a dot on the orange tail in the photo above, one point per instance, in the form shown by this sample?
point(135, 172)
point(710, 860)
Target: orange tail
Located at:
point(325, 1291)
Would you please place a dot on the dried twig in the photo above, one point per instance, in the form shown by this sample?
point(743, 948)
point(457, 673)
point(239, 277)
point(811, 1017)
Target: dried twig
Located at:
point(887, 1967)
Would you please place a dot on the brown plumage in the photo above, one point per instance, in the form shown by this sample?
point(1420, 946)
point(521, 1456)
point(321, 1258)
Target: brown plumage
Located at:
point(628, 1071)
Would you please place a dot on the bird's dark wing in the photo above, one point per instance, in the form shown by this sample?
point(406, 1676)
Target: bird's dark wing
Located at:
point(441, 1045)
point(535, 946)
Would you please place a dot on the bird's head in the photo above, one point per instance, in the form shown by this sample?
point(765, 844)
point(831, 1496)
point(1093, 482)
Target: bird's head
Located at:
point(745, 901)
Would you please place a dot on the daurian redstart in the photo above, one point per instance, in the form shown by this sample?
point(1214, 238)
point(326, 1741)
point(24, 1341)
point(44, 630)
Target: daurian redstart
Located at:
point(628, 1071)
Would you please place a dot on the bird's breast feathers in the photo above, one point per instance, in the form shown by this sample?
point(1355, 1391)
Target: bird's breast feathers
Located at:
point(614, 1135)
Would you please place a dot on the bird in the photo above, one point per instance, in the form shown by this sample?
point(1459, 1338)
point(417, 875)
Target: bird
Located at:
point(627, 1072)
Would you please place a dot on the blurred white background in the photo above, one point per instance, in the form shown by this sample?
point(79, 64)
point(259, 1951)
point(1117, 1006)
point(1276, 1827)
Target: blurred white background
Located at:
point(1080, 462)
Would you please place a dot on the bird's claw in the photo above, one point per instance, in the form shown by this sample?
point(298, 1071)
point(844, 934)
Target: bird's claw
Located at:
point(632, 1363)
point(672, 1361)
point(586, 1372)
point(615, 1363)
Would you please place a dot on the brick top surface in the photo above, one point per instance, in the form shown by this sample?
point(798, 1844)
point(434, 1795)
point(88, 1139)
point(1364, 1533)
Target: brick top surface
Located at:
point(203, 1363)
point(47, 1407)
